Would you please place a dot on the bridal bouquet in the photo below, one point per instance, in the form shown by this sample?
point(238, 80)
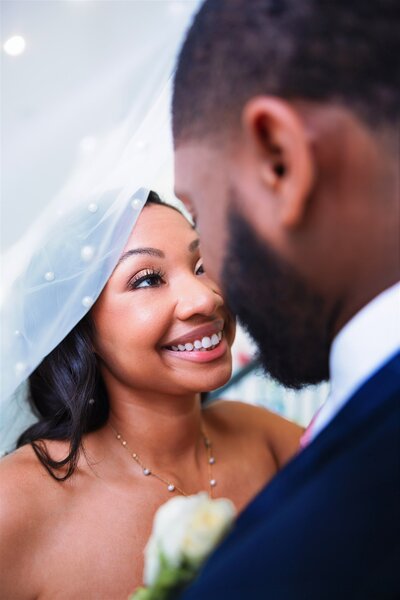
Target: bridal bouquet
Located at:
point(185, 531)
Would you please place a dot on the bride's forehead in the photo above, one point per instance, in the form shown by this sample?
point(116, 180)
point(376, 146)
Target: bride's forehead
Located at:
point(160, 225)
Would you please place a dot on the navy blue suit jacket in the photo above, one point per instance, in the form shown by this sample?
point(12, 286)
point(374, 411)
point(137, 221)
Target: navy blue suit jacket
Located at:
point(327, 526)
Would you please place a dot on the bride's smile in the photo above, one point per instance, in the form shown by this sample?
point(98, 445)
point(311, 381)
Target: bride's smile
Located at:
point(202, 338)
point(203, 350)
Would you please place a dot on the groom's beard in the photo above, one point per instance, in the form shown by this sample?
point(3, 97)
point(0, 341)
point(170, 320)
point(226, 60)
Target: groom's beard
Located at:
point(281, 313)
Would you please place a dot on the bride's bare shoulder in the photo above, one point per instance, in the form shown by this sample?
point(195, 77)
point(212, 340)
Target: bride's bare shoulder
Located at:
point(280, 434)
point(245, 415)
point(25, 489)
point(30, 505)
point(26, 486)
point(239, 414)
point(21, 470)
point(26, 494)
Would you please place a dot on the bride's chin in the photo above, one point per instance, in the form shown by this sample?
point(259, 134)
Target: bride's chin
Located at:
point(204, 382)
point(216, 380)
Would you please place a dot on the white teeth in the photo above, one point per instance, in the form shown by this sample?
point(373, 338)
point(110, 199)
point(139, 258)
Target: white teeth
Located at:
point(206, 342)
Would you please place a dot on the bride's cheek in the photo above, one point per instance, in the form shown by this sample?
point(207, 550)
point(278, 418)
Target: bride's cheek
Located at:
point(144, 326)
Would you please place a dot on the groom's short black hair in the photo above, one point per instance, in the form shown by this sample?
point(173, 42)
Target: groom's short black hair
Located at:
point(343, 51)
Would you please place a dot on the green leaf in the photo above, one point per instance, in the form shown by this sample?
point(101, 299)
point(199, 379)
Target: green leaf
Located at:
point(171, 581)
point(141, 594)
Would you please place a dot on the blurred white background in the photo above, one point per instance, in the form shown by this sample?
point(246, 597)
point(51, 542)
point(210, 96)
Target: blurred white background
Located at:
point(82, 67)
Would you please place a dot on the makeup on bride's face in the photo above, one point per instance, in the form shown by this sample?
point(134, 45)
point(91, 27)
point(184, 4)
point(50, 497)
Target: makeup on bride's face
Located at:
point(160, 321)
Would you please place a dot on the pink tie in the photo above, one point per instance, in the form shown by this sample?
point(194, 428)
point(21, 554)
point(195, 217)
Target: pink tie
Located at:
point(306, 437)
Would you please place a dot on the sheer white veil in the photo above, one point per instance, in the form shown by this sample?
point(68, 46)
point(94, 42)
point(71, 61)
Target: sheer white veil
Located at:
point(53, 273)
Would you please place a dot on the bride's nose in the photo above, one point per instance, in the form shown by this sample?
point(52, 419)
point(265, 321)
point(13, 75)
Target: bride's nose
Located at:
point(199, 297)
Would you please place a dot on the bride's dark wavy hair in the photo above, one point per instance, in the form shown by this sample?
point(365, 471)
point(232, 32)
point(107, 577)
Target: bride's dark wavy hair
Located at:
point(68, 395)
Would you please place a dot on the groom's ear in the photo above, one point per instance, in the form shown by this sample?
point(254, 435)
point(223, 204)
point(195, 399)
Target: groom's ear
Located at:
point(282, 149)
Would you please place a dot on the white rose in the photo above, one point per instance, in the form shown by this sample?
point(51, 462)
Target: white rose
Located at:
point(186, 528)
point(206, 527)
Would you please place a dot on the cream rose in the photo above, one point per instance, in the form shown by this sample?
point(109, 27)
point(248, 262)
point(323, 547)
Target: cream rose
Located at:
point(186, 530)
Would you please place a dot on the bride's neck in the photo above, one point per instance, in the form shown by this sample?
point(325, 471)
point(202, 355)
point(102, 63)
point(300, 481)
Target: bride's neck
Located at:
point(161, 429)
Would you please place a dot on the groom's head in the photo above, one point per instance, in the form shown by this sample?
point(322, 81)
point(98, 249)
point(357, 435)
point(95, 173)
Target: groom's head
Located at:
point(285, 128)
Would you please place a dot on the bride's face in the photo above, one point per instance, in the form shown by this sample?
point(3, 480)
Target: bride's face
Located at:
point(158, 307)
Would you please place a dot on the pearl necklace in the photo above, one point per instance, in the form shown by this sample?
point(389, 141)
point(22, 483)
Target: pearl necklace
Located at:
point(171, 486)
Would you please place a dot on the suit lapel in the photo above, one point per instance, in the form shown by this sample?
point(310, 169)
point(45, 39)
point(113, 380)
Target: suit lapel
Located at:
point(376, 396)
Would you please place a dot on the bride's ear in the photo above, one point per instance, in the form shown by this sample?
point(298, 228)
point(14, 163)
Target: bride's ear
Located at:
point(281, 146)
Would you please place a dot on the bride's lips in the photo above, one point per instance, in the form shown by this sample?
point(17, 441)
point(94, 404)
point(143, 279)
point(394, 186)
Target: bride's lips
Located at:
point(203, 355)
point(197, 333)
point(200, 356)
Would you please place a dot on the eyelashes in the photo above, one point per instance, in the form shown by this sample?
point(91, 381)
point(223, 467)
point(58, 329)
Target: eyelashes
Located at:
point(151, 277)
point(200, 268)
point(147, 278)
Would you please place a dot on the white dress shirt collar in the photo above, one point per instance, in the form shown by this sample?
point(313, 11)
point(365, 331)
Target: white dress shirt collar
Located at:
point(360, 349)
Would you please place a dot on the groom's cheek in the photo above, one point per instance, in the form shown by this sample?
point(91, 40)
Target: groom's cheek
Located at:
point(213, 231)
point(212, 248)
point(200, 182)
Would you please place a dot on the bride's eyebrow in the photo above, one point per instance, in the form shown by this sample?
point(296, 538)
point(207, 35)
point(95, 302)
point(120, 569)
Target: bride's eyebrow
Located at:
point(135, 251)
point(194, 245)
point(153, 251)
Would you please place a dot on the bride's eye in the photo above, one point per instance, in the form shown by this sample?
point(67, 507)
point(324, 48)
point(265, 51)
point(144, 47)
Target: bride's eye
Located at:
point(200, 268)
point(146, 279)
